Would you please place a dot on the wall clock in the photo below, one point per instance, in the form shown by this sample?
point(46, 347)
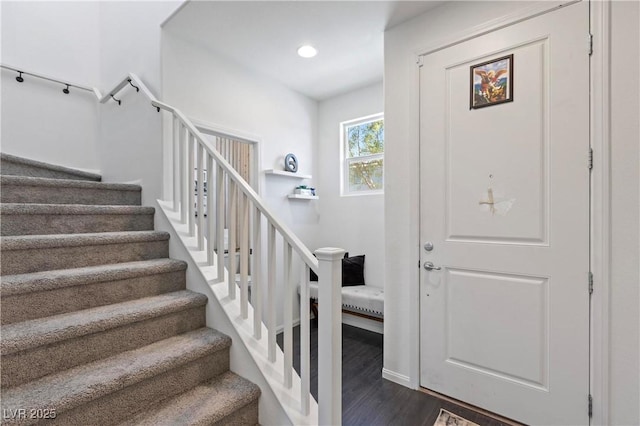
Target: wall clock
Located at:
point(291, 163)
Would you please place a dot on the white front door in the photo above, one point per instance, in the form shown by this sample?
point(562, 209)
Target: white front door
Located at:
point(505, 206)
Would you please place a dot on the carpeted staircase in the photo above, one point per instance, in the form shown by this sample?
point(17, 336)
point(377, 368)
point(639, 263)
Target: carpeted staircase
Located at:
point(97, 325)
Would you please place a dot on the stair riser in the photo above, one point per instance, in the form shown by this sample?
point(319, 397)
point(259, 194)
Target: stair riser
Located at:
point(19, 169)
point(46, 259)
point(56, 195)
point(37, 224)
point(247, 415)
point(31, 364)
point(23, 307)
point(117, 407)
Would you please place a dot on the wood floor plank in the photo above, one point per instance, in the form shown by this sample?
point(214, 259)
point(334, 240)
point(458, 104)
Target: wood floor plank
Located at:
point(367, 398)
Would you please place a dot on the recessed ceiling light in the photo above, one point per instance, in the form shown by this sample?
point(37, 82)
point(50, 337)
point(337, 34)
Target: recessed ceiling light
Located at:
point(307, 51)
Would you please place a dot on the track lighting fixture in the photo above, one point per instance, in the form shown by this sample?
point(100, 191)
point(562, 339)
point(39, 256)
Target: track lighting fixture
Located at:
point(66, 90)
point(19, 78)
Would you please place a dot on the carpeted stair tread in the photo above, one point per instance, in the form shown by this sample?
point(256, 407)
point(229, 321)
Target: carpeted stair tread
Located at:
point(6, 180)
point(36, 190)
point(72, 209)
point(34, 253)
point(41, 219)
point(71, 388)
point(96, 321)
point(14, 165)
point(52, 280)
point(205, 404)
point(41, 294)
point(45, 331)
point(28, 242)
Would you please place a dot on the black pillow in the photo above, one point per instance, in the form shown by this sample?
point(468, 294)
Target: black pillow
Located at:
point(353, 271)
point(314, 277)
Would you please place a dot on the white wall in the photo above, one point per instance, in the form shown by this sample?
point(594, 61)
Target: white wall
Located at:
point(131, 134)
point(130, 40)
point(94, 44)
point(58, 39)
point(625, 205)
point(211, 89)
point(401, 201)
point(354, 223)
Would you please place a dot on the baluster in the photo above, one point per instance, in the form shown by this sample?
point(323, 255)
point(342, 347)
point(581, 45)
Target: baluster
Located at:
point(175, 146)
point(233, 208)
point(191, 178)
point(271, 292)
point(220, 210)
point(305, 364)
point(256, 292)
point(200, 196)
point(244, 256)
point(330, 336)
point(253, 179)
point(184, 192)
point(288, 315)
point(229, 156)
point(211, 223)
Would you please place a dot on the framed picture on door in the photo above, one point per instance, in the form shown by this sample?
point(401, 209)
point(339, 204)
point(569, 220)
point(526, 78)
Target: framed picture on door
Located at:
point(492, 82)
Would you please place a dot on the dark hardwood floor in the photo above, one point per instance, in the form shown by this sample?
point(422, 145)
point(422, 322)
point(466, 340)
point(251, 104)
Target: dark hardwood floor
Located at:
point(367, 398)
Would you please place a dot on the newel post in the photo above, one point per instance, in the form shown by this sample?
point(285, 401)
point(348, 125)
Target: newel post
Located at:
point(330, 336)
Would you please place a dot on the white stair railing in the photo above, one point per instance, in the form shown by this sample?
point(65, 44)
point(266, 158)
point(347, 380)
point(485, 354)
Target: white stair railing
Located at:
point(233, 195)
point(235, 199)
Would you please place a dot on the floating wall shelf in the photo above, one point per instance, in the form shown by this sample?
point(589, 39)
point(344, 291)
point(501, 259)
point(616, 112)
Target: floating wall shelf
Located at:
point(287, 174)
point(302, 197)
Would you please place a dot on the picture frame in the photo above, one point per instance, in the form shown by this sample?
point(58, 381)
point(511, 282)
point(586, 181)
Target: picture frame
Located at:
point(491, 82)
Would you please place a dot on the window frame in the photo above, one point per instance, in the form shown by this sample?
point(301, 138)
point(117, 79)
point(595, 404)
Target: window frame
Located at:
point(346, 161)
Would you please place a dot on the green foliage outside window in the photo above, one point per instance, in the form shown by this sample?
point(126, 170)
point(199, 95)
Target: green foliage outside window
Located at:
point(365, 149)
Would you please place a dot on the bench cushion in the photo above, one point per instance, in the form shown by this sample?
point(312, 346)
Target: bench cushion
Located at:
point(361, 298)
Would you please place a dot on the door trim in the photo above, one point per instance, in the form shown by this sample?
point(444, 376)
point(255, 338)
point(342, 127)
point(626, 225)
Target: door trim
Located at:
point(493, 25)
point(600, 207)
point(600, 238)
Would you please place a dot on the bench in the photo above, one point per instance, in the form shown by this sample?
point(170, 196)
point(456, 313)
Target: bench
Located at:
point(364, 301)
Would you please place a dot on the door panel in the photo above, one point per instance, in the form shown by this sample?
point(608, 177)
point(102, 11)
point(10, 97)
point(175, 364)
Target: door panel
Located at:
point(505, 202)
point(470, 164)
point(497, 299)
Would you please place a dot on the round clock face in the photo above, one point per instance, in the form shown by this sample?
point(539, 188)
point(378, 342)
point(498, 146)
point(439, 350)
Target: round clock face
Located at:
point(291, 163)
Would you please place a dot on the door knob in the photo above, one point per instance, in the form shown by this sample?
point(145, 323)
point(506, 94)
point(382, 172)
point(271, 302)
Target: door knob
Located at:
point(429, 266)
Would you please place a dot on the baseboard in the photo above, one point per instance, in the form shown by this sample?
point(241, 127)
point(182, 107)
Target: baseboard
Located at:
point(364, 323)
point(280, 328)
point(398, 378)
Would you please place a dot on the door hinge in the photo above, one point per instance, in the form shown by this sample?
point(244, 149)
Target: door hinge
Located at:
point(419, 264)
point(590, 158)
point(590, 44)
point(590, 406)
point(419, 61)
point(590, 282)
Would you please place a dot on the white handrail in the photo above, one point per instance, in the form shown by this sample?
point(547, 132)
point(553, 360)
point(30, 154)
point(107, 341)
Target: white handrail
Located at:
point(21, 71)
point(328, 266)
point(129, 79)
point(243, 200)
point(289, 236)
point(284, 230)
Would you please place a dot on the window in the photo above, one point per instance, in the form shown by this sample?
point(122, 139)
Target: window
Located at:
point(363, 155)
